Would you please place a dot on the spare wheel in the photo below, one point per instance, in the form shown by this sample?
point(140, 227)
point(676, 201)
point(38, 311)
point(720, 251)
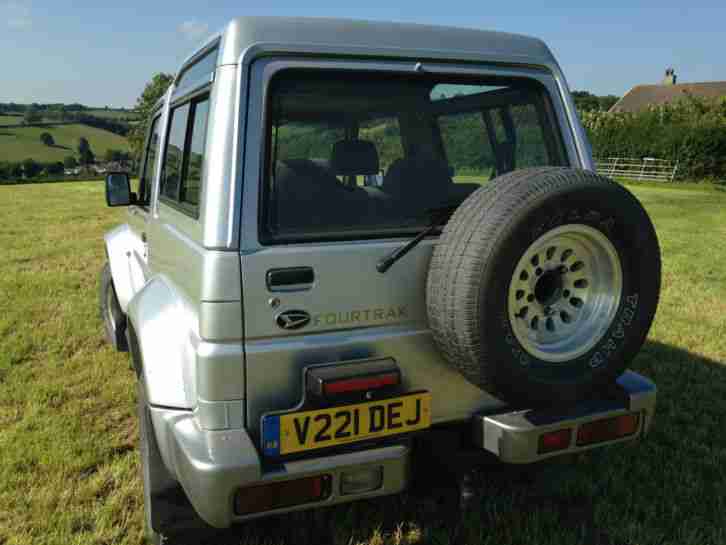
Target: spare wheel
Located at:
point(544, 284)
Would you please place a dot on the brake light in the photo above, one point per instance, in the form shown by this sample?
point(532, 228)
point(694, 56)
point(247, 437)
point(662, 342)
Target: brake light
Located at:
point(554, 440)
point(266, 497)
point(608, 429)
point(360, 384)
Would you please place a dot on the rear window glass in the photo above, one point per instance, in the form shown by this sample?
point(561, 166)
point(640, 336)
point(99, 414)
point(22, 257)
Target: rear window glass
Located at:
point(373, 155)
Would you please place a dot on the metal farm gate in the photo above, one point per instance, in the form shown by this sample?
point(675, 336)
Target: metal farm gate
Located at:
point(647, 168)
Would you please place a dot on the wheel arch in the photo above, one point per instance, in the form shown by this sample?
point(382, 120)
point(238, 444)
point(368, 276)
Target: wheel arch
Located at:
point(163, 340)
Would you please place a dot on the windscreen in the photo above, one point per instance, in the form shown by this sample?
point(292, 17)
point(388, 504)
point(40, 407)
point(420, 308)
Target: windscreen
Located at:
point(373, 155)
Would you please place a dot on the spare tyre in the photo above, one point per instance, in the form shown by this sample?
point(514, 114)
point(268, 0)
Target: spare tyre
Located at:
point(544, 284)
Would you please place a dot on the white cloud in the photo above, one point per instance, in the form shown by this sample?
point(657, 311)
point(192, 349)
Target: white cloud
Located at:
point(193, 30)
point(16, 14)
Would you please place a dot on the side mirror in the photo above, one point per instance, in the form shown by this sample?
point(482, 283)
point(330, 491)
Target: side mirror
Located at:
point(118, 189)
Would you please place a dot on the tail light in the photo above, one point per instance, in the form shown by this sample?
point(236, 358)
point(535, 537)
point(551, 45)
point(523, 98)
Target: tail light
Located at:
point(360, 384)
point(353, 380)
point(266, 497)
point(553, 441)
point(608, 429)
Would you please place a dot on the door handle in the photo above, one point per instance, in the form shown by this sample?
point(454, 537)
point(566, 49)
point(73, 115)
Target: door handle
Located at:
point(143, 237)
point(290, 279)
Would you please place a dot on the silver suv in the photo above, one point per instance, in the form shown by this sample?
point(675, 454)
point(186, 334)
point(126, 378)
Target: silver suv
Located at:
point(348, 237)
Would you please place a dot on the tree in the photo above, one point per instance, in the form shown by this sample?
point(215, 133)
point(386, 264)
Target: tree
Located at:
point(70, 162)
point(144, 105)
point(47, 139)
point(85, 155)
point(30, 168)
point(32, 115)
point(587, 102)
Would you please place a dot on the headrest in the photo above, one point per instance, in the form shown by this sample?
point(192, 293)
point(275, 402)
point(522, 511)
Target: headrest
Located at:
point(354, 157)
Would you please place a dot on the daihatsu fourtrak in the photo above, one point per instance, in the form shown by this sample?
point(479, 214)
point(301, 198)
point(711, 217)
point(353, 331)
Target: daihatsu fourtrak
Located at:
point(347, 236)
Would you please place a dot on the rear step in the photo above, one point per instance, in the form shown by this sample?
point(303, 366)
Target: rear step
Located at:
point(525, 436)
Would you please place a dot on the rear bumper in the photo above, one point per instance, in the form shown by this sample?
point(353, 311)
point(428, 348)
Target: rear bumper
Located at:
point(212, 466)
point(514, 436)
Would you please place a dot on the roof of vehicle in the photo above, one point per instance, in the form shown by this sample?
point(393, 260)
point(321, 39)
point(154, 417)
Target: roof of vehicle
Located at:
point(353, 37)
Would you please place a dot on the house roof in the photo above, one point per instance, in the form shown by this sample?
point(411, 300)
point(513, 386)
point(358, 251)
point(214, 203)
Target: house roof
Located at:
point(380, 39)
point(642, 96)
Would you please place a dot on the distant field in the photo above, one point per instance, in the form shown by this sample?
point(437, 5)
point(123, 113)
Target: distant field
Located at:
point(112, 114)
point(68, 432)
point(18, 144)
point(10, 119)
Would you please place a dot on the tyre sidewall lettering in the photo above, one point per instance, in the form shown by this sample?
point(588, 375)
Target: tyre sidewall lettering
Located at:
point(592, 210)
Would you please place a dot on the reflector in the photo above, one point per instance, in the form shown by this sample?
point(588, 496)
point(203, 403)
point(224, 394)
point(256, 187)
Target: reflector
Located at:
point(554, 440)
point(607, 429)
point(266, 497)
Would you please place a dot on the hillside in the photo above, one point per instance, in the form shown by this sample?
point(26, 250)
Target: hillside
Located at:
point(20, 143)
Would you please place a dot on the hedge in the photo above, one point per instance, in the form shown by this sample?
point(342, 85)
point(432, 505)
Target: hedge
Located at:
point(691, 131)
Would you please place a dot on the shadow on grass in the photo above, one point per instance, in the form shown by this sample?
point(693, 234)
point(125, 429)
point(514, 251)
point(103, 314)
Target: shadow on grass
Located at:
point(666, 488)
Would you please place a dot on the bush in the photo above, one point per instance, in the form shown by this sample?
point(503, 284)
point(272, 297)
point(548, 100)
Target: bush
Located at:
point(691, 131)
point(47, 138)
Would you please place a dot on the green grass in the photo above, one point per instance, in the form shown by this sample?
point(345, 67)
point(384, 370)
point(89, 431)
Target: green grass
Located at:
point(68, 436)
point(18, 144)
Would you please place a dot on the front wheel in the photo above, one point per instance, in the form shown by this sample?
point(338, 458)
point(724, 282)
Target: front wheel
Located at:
point(114, 319)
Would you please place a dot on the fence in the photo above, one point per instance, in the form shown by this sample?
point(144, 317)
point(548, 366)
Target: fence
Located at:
point(647, 168)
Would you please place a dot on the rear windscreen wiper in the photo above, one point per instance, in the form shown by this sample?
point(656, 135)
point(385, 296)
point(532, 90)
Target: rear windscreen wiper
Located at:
point(438, 216)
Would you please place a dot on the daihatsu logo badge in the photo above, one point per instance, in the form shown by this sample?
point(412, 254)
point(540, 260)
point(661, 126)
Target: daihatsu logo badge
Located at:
point(293, 319)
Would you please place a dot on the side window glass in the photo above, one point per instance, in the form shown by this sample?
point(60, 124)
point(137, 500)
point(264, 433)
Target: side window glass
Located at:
point(184, 156)
point(202, 68)
point(148, 174)
point(191, 186)
point(174, 155)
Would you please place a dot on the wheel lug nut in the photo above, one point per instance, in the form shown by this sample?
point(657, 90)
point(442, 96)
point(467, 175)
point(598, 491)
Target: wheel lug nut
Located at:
point(566, 293)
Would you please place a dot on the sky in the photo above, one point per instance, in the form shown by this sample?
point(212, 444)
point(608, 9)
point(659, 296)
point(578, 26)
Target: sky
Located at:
point(103, 53)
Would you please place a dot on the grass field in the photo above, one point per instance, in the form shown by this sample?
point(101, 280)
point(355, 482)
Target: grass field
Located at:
point(10, 119)
point(111, 114)
point(68, 436)
point(18, 144)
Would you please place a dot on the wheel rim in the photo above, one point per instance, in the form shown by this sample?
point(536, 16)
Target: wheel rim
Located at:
point(110, 301)
point(565, 293)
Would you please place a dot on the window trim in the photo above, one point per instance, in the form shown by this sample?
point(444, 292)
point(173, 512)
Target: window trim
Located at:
point(560, 129)
point(193, 211)
point(155, 118)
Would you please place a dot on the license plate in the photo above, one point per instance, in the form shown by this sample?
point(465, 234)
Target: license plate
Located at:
point(291, 433)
